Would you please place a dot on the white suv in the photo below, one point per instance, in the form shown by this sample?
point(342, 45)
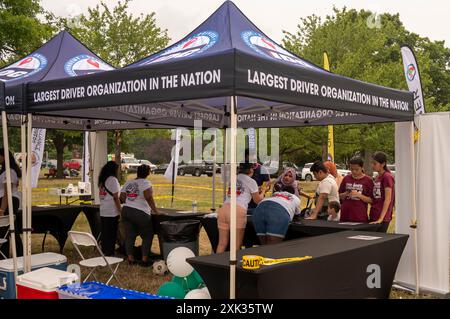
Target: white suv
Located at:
point(307, 175)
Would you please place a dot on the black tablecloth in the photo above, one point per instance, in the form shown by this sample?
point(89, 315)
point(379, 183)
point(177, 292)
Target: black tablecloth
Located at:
point(297, 229)
point(340, 268)
point(165, 214)
point(57, 220)
point(305, 228)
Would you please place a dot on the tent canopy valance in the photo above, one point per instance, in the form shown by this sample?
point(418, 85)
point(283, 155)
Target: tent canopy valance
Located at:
point(227, 55)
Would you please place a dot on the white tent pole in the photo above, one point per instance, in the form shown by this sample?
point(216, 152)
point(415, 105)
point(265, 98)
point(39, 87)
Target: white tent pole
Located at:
point(27, 257)
point(23, 143)
point(233, 176)
point(9, 191)
point(225, 166)
point(214, 174)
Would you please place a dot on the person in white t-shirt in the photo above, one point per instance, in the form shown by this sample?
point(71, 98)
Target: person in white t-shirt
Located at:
point(137, 196)
point(326, 192)
point(246, 190)
point(109, 190)
point(4, 209)
point(274, 214)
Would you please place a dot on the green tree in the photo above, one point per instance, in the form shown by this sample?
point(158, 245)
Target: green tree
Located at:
point(119, 38)
point(24, 26)
point(369, 52)
point(61, 140)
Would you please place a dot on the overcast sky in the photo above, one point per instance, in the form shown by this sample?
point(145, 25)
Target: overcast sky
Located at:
point(427, 18)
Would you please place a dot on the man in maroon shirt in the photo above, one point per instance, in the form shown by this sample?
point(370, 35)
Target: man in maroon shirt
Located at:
point(383, 193)
point(355, 193)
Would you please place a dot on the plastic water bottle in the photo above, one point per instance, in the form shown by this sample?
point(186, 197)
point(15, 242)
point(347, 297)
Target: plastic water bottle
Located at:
point(194, 206)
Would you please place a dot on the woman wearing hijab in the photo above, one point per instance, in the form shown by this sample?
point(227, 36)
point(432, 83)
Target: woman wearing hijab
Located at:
point(289, 179)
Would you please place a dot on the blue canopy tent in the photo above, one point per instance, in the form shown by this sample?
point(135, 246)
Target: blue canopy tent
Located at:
point(61, 57)
point(228, 73)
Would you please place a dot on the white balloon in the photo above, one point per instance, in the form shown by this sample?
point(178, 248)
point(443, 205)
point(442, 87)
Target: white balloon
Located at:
point(205, 289)
point(197, 294)
point(176, 261)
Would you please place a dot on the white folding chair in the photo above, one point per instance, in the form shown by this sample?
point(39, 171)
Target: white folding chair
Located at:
point(86, 239)
point(4, 222)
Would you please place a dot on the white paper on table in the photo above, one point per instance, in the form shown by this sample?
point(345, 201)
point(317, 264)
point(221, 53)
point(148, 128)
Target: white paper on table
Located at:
point(363, 237)
point(350, 223)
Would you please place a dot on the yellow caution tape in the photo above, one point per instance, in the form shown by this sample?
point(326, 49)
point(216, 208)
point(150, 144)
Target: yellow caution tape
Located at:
point(255, 262)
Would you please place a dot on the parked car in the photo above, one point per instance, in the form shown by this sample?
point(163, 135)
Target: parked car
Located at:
point(273, 166)
point(160, 169)
point(152, 166)
point(48, 164)
point(130, 165)
point(307, 175)
point(342, 170)
point(73, 164)
point(197, 169)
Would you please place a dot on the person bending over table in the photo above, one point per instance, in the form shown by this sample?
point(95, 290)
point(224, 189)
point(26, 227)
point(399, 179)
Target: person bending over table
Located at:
point(246, 189)
point(4, 209)
point(262, 178)
point(289, 178)
point(137, 196)
point(274, 214)
point(327, 191)
point(355, 193)
point(383, 193)
point(109, 190)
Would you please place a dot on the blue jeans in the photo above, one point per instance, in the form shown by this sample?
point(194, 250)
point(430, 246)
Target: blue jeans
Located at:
point(271, 219)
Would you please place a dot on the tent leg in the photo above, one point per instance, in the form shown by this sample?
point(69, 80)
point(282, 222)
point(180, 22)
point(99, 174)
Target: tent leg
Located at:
point(213, 208)
point(24, 155)
point(225, 166)
point(9, 195)
point(27, 256)
point(233, 176)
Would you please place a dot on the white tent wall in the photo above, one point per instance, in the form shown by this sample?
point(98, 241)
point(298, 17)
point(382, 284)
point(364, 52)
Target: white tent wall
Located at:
point(432, 152)
point(99, 153)
point(404, 200)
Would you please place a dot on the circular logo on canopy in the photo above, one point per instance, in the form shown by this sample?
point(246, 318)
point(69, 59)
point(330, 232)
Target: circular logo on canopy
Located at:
point(411, 72)
point(85, 64)
point(24, 68)
point(194, 45)
point(266, 47)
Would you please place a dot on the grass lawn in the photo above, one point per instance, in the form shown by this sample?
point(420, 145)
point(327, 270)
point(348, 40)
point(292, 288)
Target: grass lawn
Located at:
point(188, 188)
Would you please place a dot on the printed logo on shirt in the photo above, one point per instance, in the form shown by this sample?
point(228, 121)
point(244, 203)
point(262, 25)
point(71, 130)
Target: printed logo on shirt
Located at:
point(286, 196)
point(102, 193)
point(354, 186)
point(132, 191)
point(239, 189)
point(377, 190)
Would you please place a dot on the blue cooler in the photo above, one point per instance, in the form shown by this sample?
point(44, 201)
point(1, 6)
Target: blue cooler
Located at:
point(97, 290)
point(7, 284)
